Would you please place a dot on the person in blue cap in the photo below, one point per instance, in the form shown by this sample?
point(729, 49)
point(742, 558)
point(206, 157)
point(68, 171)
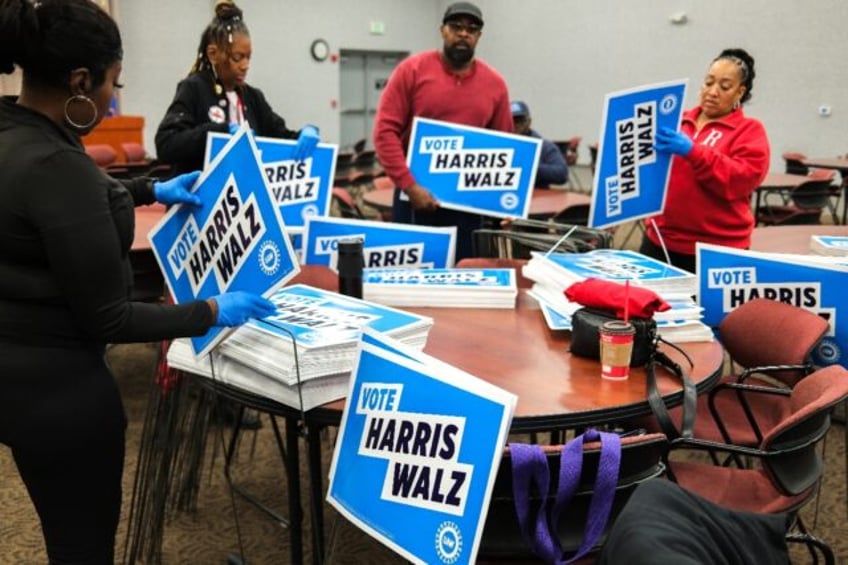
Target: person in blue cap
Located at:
point(552, 166)
point(216, 97)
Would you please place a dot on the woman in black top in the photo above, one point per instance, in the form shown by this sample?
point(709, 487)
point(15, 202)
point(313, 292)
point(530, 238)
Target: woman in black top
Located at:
point(65, 233)
point(215, 97)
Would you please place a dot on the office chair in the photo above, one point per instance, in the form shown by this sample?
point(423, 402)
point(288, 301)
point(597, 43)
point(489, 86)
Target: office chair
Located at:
point(102, 154)
point(789, 462)
point(346, 204)
point(772, 343)
point(502, 540)
point(807, 201)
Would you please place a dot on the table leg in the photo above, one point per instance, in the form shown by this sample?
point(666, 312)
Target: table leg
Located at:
point(316, 492)
point(295, 510)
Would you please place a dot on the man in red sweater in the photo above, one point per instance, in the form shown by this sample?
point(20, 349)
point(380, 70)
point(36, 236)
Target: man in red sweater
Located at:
point(449, 85)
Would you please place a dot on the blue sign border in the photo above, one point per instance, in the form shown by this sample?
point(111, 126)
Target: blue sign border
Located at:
point(277, 151)
point(502, 201)
point(728, 277)
point(181, 236)
point(635, 114)
point(427, 389)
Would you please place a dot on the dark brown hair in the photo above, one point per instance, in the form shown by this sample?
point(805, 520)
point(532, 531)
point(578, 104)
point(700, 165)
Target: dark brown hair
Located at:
point(50, 38)
point(745, 63)
point(228, 20)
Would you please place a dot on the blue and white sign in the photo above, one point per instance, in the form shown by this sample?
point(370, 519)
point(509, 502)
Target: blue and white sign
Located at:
point(616, 265)
point(385, 244)
point(235, 241)
point(301, 188)
point(474, 169)
point(440, 278)
point(631, 177)
point(417, 452)
point(730, 277)
point(829, 244)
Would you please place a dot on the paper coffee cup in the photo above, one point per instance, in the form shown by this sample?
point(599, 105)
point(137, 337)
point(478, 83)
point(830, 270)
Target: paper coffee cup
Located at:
point(616, 349)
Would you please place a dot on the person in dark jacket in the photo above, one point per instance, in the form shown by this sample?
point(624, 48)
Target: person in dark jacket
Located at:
point(215, 97)
point(552, 167)
point(66, 229)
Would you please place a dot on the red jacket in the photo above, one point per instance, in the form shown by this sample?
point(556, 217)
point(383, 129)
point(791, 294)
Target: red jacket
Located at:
point(709, 191)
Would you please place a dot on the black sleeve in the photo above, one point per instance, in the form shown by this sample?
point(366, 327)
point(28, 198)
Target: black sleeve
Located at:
point(181, 136)
point(270, 124)
point(70, 208)
point(141, 190)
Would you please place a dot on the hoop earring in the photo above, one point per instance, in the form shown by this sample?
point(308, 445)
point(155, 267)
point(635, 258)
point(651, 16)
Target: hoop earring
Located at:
point(87, 100)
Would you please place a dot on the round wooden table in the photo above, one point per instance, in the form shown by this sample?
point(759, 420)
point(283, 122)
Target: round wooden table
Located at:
point(545, 202)
point(512, 349)
point(515, 350)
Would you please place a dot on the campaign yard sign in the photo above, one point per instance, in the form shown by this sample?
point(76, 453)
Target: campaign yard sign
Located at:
point(235, 241)
point(384, 244)
point(417, 452)
point(474, 169)
point(631, 177)
point(730, 277)
point(301, 188)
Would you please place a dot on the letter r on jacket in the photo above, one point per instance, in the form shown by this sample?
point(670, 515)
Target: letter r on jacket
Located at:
point(712, 138)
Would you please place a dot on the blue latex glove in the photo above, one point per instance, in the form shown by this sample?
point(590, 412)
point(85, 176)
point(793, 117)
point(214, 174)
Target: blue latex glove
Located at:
point(235, 127)
point(234, 308)
point(306, 143)
point(176, 190)
point(670, 141)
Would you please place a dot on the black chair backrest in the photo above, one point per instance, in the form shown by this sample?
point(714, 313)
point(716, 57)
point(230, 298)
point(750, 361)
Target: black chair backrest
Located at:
point(523, 236)
point(641, 459)
point(813, 194)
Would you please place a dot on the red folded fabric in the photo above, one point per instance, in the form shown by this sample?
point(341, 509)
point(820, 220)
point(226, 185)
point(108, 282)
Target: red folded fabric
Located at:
point(608, 295)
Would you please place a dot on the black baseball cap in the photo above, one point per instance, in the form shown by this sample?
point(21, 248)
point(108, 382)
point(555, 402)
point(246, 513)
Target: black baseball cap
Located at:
point(463, 9)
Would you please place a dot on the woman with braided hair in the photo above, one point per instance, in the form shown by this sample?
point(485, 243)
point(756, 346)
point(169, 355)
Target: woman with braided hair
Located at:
point(66, 229)
point(216, 97)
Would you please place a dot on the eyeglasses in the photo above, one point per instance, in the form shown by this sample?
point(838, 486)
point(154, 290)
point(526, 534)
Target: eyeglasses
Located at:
point(471, 29)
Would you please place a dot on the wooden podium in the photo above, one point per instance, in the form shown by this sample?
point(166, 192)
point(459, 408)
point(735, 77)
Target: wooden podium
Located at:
point(114, 130)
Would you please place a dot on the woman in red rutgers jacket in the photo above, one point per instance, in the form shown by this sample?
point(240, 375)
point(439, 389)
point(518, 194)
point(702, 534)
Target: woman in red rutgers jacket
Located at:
point(721, 157)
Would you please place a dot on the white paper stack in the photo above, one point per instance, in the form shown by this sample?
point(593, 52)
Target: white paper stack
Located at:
point(308, 395)
point(617, 265)
point(326, 327)
point(447, 288)
point(554, 272)
point(829, 245)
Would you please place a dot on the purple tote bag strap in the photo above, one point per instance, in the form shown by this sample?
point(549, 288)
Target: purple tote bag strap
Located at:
point(529, 467)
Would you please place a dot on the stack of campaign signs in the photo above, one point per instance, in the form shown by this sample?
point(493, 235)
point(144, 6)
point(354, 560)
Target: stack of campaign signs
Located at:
point(829, 245)
point(325, 326)
point(228, 371)
point(552, 273)
point(446, 288)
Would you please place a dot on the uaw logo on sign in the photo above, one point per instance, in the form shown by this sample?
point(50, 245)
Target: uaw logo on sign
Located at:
point(302, 189)
point(419, 443)
point(235, 240)
point(384, 244)
point(474, 169)
point(730, 277)
point(632, 177)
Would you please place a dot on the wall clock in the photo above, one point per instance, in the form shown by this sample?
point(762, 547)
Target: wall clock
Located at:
point(319, 49)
